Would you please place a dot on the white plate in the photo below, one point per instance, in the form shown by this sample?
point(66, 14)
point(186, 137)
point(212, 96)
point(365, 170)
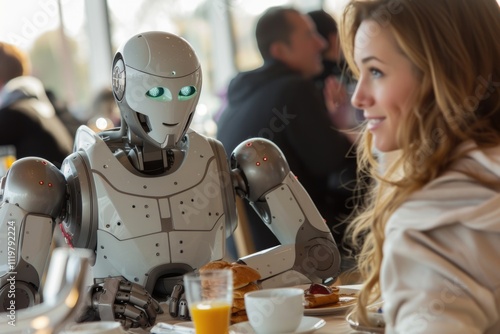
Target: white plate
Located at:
point(307, 325)
point(373, 317)
point(347, 299)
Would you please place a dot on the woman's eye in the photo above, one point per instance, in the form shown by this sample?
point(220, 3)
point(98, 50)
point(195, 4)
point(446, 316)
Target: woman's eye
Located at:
point(375, 73)
point(159, 93)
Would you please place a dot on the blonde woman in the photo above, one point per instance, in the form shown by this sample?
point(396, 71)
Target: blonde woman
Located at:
point(429, 85)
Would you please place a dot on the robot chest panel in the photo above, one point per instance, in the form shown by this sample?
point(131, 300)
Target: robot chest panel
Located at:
point(126, 215)
point(198, 161)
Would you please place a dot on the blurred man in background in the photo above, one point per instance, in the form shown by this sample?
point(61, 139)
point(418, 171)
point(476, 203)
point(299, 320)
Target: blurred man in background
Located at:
point(280, 102)
point(28, 121)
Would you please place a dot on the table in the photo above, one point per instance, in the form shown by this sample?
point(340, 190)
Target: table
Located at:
point(335, 323)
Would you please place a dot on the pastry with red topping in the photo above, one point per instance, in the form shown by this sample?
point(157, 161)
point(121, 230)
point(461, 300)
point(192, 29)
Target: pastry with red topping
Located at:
point(320, 295)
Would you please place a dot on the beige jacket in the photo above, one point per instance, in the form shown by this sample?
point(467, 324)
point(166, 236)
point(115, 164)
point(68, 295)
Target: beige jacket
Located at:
point(441, 267)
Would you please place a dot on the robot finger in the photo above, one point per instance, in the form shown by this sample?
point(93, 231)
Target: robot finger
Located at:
point(173, 306)
point(135, 298)
point(125, 285)
point(131, 313)
point(156, 306)
point(151, 313)
point(183, 309)
point(126, 323)
point(128, 286)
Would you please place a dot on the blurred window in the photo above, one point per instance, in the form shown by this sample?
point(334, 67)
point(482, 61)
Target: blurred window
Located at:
point(58, 52)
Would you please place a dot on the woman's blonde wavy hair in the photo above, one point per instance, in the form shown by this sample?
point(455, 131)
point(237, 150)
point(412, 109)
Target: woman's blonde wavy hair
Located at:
point(453, 46)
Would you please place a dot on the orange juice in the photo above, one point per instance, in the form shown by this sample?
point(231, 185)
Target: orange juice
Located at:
point(210, 317)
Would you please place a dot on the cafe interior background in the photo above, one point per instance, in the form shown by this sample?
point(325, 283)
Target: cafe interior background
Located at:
point(71, 43)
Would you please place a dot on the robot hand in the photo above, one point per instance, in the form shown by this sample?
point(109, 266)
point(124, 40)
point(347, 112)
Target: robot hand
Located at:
point(115, 298)
point(177, 304)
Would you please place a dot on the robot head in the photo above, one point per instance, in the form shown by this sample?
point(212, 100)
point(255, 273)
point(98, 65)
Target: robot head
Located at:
point(157, 83)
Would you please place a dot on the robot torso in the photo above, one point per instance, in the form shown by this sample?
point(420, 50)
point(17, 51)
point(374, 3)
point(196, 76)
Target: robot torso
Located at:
point(145, 227)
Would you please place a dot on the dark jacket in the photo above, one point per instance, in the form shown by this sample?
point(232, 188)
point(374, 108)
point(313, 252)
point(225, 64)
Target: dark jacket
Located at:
point(29, 123)
point(277, 103)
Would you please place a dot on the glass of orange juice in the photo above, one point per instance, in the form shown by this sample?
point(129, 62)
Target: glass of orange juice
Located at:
point(210, 296)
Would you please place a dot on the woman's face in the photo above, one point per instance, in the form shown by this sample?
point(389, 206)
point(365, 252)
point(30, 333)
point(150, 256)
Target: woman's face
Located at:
point(387, 80)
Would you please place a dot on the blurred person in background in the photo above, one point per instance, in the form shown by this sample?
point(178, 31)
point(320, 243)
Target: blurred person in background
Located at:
point(28, 121)
point(336, 81)
point(62, 111)
point(280, 102)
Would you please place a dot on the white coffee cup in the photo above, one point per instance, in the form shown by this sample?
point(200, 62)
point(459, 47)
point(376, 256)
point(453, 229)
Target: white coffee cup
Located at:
point(98, 327)
point(278, 310)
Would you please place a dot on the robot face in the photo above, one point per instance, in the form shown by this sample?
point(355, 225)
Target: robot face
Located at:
point(163, 107)
point(157, 87)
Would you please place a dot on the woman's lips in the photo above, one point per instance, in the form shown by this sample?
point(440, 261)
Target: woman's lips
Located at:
point(374, 123)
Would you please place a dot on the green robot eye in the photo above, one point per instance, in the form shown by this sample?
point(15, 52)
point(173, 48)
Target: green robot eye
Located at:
point(186, 93)
point(159, 93)
point(155, 92)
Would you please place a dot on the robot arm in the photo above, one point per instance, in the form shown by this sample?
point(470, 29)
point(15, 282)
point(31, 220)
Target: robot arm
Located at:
point(308, 252)
point(33, 195)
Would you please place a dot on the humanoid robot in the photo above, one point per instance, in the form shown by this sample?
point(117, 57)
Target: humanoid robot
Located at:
point(154, 199)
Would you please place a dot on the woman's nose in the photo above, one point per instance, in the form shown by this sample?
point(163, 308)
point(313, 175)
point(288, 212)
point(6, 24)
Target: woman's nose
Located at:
point(361, 98)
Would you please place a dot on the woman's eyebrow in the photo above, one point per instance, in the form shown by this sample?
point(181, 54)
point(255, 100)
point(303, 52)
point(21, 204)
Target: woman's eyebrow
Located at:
point(367, 59)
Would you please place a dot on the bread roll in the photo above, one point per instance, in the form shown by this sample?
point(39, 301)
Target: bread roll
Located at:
point(244, 281)
point(239, 317)
point(215, 265)
point(238, 305)
point(242, 274)
point(240, 292)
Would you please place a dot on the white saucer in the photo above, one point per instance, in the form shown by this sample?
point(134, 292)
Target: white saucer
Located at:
point(307, 325)
point(373, 317)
